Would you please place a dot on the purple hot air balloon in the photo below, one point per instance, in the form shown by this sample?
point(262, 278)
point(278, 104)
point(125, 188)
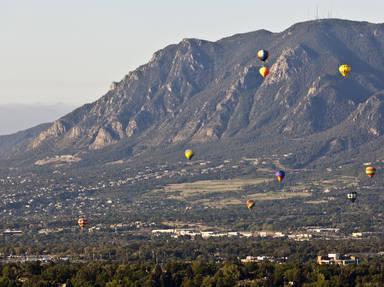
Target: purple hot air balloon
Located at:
point(280, 175)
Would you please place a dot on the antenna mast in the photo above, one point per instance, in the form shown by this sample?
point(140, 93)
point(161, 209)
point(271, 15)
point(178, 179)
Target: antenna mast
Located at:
point(317, 12)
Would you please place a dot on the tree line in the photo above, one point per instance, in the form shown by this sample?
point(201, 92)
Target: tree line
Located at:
point(190, 274)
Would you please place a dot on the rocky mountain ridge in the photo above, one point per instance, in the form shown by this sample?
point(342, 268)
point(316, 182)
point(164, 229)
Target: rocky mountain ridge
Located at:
point(200, 92)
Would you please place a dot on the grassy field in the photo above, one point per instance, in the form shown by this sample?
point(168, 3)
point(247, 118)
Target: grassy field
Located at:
point(258, 197)
point(316, 201)
point(339, 181)
point(220, 193)
point(209, 187)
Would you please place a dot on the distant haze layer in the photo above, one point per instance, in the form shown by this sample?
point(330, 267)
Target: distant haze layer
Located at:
point(16, 117)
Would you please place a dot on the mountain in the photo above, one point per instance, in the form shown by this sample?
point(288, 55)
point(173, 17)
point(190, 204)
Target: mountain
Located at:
point(210, 94)
point(24, 116)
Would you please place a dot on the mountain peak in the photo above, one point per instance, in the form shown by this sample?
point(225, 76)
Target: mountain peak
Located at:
point(198, 91)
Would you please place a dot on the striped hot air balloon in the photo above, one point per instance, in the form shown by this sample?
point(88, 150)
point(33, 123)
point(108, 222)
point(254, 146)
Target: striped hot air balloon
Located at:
point(262, 55)
point(264, 71)
point(370, 171)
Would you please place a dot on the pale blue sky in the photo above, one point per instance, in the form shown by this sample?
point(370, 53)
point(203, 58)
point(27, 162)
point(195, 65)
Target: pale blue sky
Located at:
point(71, 50)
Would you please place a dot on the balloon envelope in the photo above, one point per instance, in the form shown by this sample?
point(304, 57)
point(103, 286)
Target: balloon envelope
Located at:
point(82, 221)
point(280, 175)
point(345, 70)
point(262, 55)
point(264, 71)
point(352, 196)
point(370, 171)
point(250, 203)
point(189, 154)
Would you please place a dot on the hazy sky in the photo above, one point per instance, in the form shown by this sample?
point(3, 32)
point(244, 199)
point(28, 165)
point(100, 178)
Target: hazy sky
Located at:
point(71, 50)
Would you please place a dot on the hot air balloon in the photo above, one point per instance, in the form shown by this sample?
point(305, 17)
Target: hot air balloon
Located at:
point(189, 154)
point(264, 71)
point(262, 55)
point(280, 175)
point(250, 203)
point(82, 221)
point(352, 196)
point(370, 171)
point(344, 70)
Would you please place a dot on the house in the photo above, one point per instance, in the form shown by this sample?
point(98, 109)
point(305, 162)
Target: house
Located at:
point(300, 236)
point(337, 259)
point(12, 232)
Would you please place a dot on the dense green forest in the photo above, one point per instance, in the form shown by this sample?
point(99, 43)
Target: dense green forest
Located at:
point(178, 262)
point(194, 273)
point(162, 250)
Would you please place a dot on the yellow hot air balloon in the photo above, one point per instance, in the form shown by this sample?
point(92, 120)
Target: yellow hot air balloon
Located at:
point(264, 71)
point(250, 203)
point(345, 70)
point(189, 154)
point(370, 171)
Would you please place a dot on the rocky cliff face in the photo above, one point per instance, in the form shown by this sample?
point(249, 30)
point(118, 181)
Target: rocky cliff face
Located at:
point(203, 92)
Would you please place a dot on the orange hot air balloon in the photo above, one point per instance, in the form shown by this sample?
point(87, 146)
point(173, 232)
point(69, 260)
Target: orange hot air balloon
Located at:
point(250, 203)
point(82, 222)
point(264, 71)
point(370, 171)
